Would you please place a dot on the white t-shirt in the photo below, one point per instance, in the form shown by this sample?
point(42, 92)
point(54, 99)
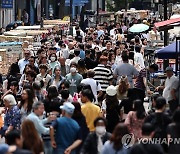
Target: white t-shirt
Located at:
point(63, 53)
point(75, 60)
point(168, 87)
point(95, 86)
point(112, 32)
point(118, 60)
point(139, 60)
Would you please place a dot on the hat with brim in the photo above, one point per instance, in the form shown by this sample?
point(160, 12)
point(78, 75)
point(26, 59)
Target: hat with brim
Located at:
point(68, 107)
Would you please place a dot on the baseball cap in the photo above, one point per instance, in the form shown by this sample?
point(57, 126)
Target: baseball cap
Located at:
point(111, 90)
point(169, 69)
point(68, 107)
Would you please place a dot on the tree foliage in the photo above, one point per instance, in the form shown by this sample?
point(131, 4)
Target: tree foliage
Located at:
point(117, 5)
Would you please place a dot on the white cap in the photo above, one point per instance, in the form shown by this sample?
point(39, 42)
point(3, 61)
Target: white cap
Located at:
point(68, 107)
point(111, 90)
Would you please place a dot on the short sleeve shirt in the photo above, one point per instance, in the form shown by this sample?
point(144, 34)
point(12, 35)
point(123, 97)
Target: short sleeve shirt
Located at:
point(139, 81)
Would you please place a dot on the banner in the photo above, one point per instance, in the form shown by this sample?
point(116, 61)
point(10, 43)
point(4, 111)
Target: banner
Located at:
point(7, 4)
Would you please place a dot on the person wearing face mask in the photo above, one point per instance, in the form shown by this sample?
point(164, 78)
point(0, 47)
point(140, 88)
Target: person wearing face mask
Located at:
point(95, 140)
point(53, 61)
point(73, 78)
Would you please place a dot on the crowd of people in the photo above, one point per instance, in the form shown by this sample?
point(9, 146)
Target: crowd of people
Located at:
point(82, 94)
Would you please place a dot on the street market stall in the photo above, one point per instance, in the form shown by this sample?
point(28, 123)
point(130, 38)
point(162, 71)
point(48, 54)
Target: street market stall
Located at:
point(132, 13)
point(35, 27)
point(4, 38)
point(56, 22)
point(171, 52)
point(10, 52)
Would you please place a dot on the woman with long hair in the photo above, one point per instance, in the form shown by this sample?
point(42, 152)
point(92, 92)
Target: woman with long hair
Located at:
point(53, 101)
point(118, 58)
point(23, 79)
point(122, 88)
point(81, 120)
point(26, 103)
point(43, 77)
point(31, 139)
point(114, 145)
point(111, 109)
point(56, 79)
point(135, 119)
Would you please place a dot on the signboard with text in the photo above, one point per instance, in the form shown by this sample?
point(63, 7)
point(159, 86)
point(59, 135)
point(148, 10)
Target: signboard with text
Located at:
point(7, 4)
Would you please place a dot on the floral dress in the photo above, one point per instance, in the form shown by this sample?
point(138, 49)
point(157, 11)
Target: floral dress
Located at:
point(12, 118)
point(134, 124)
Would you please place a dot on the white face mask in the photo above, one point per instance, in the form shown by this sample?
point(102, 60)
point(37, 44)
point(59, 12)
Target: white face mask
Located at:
point(100, 130)
point(53, 58)
point(72, 69)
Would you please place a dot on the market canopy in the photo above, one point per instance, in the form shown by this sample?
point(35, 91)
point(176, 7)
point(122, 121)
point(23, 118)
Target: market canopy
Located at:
point(168, 52)
point(76, 2)
point(166, 22)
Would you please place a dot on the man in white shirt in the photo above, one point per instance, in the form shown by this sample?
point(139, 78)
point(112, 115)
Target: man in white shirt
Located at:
point(112, 31)
point(63, 51)
point(169, 90)
point(22, 63)
point(95, 85)
point(138, 58)
point(76, 58)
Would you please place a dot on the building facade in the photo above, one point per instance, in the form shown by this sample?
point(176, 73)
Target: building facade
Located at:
point(7, 13)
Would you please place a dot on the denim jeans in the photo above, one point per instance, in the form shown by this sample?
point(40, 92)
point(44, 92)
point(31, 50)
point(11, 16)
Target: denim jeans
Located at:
point(47, 147)
point(59, 150)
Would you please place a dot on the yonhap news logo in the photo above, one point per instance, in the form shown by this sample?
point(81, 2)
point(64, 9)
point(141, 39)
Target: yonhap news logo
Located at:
point(128, 140)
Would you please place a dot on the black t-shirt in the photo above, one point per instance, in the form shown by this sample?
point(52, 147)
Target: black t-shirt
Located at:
point(174, 131)
point(160, 121)
point(53, 104)
point(146, 149)
point(90, 64)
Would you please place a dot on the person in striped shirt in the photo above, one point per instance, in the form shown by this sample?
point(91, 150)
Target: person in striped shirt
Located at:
point(103, 75)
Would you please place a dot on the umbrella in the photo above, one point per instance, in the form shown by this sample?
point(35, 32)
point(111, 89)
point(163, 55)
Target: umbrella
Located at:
point(138, 28)
point(168, 52)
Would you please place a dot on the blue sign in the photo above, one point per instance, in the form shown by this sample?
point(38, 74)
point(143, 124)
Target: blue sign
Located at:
point(76, 2)
point(6, 3)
